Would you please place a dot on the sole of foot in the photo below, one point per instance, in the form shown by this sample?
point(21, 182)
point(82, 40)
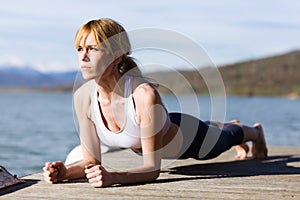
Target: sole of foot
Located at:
point(259, 148)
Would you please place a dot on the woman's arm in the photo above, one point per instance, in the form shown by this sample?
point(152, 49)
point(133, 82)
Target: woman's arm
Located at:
point(57, 171)
point(89, 140)
point(149, 111)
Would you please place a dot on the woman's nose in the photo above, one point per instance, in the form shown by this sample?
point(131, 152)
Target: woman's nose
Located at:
point(83, 55)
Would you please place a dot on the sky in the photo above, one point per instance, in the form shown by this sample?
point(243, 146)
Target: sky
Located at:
point(40, 33)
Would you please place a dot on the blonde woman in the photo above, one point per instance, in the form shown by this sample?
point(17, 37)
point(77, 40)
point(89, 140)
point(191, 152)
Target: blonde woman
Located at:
point(121, 109)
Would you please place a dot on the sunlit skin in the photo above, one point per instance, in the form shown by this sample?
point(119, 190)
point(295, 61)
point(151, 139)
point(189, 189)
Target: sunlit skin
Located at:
point(93, 60)
point(97, 64)
point(93, 63)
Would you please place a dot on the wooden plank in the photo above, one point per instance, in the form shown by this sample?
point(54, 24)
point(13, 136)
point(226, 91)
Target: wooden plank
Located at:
point(222, 178)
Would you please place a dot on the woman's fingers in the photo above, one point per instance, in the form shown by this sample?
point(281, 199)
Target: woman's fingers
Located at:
point(47, 166)
point(97, 184)
point(96, 181)
point(94, 175)
point(91, 168)
point(50, 179)
point(92, 171)
point(50, 172)
point(57, 164)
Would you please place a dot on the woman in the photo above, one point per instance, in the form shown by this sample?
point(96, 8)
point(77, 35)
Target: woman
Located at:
point(121, 109)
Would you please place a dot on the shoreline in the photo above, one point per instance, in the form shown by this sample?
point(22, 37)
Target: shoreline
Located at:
point(290, 96)
point(32, 90)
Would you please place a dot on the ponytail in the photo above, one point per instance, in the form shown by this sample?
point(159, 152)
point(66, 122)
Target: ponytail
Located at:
point(128, 65)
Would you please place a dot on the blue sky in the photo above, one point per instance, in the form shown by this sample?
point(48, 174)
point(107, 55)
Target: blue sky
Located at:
point(41, 33)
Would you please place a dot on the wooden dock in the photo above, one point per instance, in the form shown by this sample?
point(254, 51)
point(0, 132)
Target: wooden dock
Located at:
point(278, 177)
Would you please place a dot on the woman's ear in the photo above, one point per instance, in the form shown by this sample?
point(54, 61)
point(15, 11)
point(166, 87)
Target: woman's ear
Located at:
point(118, 57)
point(117, 60)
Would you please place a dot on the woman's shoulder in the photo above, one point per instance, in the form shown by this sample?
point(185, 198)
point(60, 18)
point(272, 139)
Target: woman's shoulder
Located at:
point(141, 84)
point(143, 90)
point(82, 96)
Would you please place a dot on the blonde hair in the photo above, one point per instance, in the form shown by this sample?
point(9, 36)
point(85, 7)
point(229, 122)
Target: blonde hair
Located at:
point(112, 37)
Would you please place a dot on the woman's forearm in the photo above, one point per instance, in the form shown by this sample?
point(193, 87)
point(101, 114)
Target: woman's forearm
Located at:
point(140, 174)
point(76, 170)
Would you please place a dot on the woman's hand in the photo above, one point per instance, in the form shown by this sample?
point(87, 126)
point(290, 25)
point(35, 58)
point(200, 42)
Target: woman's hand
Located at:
point(54, 172)
point(98, 176)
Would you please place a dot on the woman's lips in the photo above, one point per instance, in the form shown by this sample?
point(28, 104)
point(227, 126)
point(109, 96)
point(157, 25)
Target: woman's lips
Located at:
point(85, 67)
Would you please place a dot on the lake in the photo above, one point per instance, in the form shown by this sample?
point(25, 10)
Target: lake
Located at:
point(38, 127)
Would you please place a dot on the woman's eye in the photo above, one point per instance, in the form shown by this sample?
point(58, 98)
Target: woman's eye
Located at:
point(94, 49)
point(79, 49)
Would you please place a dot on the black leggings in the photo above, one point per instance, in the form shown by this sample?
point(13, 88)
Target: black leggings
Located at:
point(203, 141)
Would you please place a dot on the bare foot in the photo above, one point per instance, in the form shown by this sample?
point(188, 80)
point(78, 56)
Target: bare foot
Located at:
point(221, 125)
point(241, 151)
point(259, 147)
point(234, 121)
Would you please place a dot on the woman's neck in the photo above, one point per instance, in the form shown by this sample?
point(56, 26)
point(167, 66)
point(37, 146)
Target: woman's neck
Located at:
point(109, 84)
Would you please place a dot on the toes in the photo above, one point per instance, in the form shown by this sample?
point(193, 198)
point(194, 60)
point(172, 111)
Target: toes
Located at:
point(241, 157)
point(242, 151)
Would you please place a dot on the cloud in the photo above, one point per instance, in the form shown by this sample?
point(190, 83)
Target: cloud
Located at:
point(43, 31)
point(11, 60)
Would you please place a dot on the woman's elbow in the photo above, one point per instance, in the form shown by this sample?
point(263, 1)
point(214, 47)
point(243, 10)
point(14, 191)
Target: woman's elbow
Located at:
point(154, 175)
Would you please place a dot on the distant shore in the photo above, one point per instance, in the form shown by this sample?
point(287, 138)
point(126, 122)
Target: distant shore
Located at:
point(272, 76)
point(28, 90)
point(291, 96)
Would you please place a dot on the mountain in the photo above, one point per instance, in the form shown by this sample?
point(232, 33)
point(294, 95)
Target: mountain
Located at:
point(27, 78)
point(274, 75)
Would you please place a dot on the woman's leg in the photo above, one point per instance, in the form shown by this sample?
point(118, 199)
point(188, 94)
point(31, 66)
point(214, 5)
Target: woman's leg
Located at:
point(254, 134)
point(201, 141)
point(242, 149)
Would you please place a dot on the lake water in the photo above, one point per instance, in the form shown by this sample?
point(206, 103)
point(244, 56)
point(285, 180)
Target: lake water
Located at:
point(39, 127)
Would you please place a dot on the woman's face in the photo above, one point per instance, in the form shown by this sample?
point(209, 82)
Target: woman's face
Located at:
point(92, 59)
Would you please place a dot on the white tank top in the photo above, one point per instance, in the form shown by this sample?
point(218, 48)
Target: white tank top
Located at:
point(129, 135)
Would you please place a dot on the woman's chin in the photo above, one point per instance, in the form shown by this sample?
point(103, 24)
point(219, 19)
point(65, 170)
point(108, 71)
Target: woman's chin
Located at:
point(88, 76)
